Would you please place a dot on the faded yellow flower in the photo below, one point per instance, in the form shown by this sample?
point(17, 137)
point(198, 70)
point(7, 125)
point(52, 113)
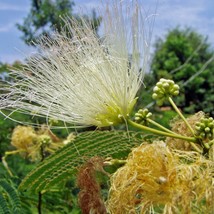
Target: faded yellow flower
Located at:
point(30, 143)
point(179, 126)
point(23, 137)
point(156, 179)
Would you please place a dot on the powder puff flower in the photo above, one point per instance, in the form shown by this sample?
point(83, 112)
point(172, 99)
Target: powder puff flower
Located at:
point(86, 80)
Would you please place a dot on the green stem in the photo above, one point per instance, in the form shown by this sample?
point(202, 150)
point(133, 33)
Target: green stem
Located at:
point(160, 126)
point(4, 162)
point(181, 115)
point(39, 206)
point(211, 142)
point(192, 140)
point(155, 131)
point(114, 162)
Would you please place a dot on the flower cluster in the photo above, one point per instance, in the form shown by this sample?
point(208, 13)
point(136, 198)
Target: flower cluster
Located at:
point(205, 128)
point(164, 89)
point(142, 116)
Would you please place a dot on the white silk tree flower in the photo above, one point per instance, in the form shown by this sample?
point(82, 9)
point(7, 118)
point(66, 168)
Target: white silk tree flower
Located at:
point(80, 78)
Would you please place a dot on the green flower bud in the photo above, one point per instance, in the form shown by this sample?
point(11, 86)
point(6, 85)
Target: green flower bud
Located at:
point(142, 116)
point(164, 89)
point(154, 96)
point(205, 128)
point(53, 121)
point(44, 139)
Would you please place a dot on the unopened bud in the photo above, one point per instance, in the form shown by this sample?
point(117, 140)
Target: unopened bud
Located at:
point(205, 128)
point(164, 89)
point(142, 116)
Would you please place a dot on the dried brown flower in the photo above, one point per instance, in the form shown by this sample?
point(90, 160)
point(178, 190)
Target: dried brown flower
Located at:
point(90, 199)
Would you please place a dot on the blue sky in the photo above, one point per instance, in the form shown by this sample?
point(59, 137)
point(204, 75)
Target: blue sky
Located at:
point(198, 14)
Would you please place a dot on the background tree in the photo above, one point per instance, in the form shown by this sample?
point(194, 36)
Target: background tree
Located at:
point(44, 17)
point(186, 57)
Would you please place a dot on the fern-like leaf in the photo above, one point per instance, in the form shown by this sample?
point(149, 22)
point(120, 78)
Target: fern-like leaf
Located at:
point(9, 197)
point(66, 160)
point(4, 206)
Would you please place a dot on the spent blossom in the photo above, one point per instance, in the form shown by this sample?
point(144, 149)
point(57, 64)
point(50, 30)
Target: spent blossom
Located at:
point(80, 78)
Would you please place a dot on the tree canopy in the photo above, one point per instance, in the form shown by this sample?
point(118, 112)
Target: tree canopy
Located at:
point(44, 17)
point(186, 57)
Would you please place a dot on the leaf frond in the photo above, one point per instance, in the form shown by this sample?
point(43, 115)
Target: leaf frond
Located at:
point(65, 161)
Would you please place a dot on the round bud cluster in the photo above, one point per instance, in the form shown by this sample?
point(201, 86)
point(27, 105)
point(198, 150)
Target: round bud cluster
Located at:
point(53, 121)
point(205, 128)
point(44, 139)
point(142, 116)
point(164, 89)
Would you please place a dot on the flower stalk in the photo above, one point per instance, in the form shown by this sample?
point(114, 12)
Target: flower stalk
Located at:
point(4, 162)
point(155, 131)
point(181, 115)
point(160, 126)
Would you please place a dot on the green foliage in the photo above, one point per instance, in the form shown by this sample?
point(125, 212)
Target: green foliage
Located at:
point(64, 162)
point(9, 198)
point(6, 127)
point(3, 67)
point(6, 68)
point(185, 56)
point(46, 16)
point(61, 199)
point(163, 117)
